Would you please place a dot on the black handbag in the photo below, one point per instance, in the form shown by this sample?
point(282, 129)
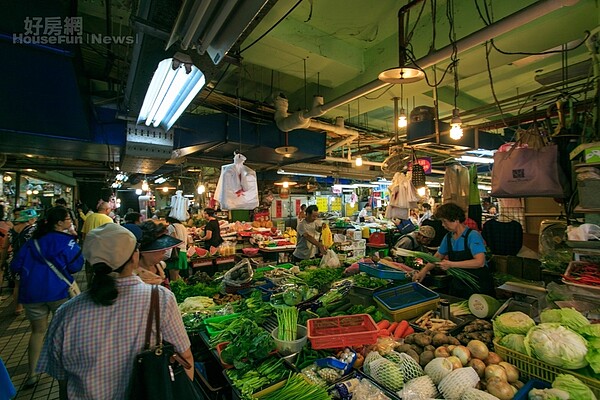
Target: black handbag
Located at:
point(159, 371)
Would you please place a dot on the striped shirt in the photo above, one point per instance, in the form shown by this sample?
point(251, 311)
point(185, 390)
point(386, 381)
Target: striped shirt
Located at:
point(94, 347)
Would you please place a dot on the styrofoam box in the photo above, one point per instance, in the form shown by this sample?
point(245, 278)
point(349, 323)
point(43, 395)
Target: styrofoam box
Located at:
point(354, 234)
point(359, 252)
point(359, 244)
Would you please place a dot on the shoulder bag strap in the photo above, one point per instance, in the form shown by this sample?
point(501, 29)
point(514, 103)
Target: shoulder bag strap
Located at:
point(153, 315)
point(52, 267)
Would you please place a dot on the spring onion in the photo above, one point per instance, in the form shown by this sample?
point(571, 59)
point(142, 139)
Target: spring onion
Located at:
point(460, 308)
point(287, 323)
point(298, 388)
point(457, 273)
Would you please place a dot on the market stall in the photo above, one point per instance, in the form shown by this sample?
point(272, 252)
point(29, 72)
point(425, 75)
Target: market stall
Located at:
point(312, 331)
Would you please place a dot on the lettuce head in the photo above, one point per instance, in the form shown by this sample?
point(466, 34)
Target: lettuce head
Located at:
point(557, 345)
point(577, 390)
point(512, 322)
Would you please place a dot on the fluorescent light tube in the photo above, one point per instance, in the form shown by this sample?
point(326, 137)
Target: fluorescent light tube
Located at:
point(174, 85)
point(480, 160)
point(282, 172)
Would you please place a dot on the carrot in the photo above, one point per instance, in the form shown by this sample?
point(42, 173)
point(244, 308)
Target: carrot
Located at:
point(383, 333)
point(408, 331)
point(383, 324)
point(393, 326)
point(402, 326)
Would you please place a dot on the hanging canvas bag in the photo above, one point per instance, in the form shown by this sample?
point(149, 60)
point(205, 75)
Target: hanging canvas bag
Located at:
point(529, 168)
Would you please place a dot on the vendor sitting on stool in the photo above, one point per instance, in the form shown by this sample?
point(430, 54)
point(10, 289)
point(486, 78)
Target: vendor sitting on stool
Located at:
point(416, 240)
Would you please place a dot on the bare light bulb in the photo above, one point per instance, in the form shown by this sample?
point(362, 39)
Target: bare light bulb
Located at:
point(144, 186)
point(165, 189)
point(138, 192)
point(421, 191)
point(286, 184)
point(402, 121)
point(201, 189)
point(456, 131)
point(358, 161)
point(7, 178)
point(29, 192)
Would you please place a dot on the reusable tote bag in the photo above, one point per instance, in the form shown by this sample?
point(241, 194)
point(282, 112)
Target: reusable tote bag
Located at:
point(527, 170)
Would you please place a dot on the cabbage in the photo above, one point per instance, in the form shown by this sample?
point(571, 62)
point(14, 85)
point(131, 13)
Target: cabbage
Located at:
point(515, 342)
point(593, 354)
point(569, 317)
point(556, 345)
point(512, 322)
point(548, 394)
point(577, 390)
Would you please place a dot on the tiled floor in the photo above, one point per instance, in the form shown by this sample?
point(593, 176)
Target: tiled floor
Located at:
point(14, 338)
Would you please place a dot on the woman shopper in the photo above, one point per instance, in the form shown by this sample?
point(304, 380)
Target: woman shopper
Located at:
point(212, 230)
point(155, 244)
point(41, 290)
point(463, 248)
point(177, 260)
point(93, 339)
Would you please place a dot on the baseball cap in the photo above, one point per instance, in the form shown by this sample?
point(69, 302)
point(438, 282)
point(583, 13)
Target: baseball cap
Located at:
point(427, 231)
point(110, 244)
point(26, 215)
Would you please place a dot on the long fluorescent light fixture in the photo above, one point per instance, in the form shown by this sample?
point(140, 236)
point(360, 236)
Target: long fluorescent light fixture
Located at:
point(479, 160)
point(282, 172)
point(174, 85)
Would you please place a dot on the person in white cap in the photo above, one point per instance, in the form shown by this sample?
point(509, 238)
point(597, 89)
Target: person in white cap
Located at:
point(93, 339)
point(416, 240)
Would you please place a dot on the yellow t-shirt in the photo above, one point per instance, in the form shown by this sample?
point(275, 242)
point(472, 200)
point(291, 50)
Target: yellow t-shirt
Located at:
point(93, 221)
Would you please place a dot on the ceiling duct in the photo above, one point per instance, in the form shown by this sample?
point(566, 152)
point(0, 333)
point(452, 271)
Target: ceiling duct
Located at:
point(213, 26)
point(146, 149)
point(574, 73)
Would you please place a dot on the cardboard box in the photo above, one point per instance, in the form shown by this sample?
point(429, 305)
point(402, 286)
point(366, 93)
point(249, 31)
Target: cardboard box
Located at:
point(586, 149)
point(592, 155)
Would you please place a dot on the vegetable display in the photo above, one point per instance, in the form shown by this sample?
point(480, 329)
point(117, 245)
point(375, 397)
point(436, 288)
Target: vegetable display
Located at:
point(483, 306)
point(298, 388)
point(512, 322)
point(584, 274)
point(250, 380)
point(287, 323)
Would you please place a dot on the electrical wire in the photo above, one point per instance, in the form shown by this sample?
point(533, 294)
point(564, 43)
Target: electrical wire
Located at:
point(275, 25)
point(524, 53)
point(491, 80)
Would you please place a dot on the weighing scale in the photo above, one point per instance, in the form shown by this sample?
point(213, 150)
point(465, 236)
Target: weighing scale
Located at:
point(529, 299)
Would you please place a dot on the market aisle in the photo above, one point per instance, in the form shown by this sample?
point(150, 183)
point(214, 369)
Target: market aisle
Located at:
point(14, 337)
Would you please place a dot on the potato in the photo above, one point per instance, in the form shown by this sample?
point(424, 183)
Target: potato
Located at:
point(439, 339)
point(429, 348)
point(410, 339)
point(422, 339)
point(426, 357)
point(413, 354)
point(416, 348)
point(403, 348)
point(454, 341)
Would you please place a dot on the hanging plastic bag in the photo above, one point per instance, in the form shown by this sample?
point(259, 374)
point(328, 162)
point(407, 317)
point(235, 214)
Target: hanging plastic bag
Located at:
point(330, 260)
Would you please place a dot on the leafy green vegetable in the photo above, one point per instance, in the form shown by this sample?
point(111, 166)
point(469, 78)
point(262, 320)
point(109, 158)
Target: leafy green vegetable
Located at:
point(298, 388)
point(577, 390)
point(182, 290)
point(321, 278)
point(569, 317)
point(512, 322)
point(366, 281)
point(254, 307)
point(250, 380)
point(252, 343)
point(515, 342)
point(292, 296)
point(556, 345)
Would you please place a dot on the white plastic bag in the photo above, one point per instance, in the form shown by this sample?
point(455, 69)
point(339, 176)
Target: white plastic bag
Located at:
point(330, 260)
point(583, 232)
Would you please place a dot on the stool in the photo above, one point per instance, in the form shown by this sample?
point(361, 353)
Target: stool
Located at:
point(383, 249)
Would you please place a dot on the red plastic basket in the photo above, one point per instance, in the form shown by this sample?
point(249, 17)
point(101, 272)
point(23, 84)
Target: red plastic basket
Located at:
point(341, 331)
point(377, 238)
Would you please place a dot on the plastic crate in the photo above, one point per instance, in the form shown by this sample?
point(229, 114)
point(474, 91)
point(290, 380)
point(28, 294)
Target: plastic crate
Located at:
point(341, 331)
point(588, 193)
point(573, 265)
point(381, 271)
point(532, 368)
point(377, 238)
point(523, 393)
point(212, 331)
point(406, 301)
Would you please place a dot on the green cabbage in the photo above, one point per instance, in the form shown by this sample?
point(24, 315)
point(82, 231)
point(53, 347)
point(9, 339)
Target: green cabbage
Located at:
point(569, 317)
point(512, 322)
point(593, 354)
point(577, 390)
point(556, 345)
point(515, 342)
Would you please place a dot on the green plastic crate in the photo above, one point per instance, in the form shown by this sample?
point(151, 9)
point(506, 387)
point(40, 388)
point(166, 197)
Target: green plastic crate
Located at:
point(212, 331)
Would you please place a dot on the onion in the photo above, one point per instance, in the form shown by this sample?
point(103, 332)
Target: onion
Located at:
point(441, 351)
point(451, 347)
point(463, 354)
point(492, 358)
point(502, 390)
point(456, 363)
point(478, 349)
point(495, 371)
point(478, 366)
point(512, 373)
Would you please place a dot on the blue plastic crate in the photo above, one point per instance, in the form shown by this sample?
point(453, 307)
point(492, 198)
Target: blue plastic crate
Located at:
point(404, 296)
point(523, 393)
point(381, 271)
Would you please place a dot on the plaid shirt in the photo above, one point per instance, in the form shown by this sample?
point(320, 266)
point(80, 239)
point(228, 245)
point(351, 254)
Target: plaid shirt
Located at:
point(93, 347)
